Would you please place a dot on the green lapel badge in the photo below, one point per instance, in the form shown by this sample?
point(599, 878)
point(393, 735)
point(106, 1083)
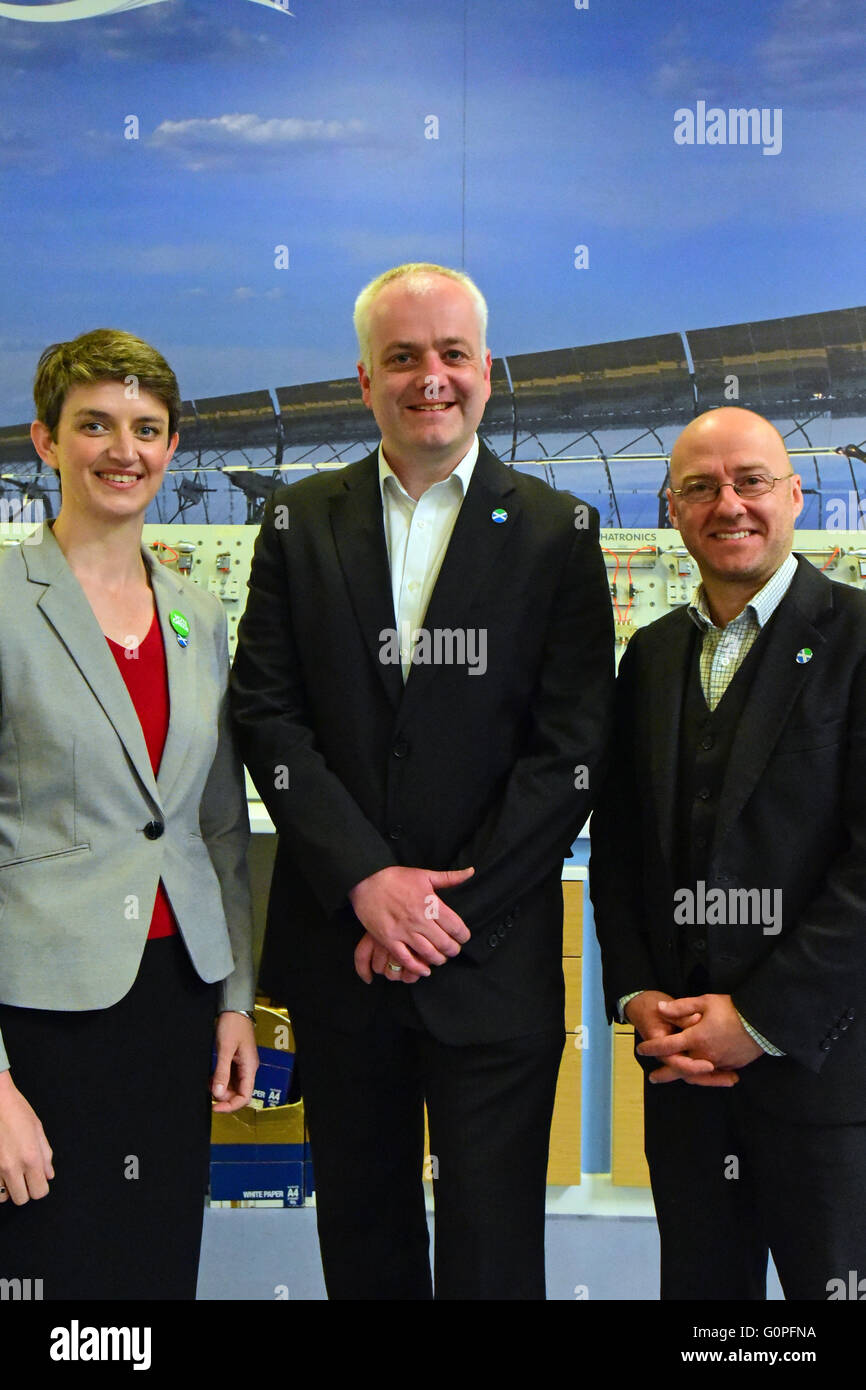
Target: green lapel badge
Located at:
point(181, 627)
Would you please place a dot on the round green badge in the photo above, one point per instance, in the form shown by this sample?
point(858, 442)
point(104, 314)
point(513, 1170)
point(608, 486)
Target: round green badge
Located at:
point(179, 623)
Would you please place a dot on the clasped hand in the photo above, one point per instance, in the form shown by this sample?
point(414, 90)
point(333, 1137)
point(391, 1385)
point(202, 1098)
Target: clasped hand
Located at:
point(407, 923)
point(25, 1154)
point(700, 1040)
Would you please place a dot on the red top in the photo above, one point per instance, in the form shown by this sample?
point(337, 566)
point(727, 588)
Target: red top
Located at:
point(144, 671)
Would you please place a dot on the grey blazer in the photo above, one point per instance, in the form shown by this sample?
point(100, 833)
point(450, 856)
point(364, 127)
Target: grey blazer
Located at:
point(86, 830)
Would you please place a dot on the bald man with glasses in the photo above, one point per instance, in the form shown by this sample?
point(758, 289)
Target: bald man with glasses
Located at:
point(732, 914)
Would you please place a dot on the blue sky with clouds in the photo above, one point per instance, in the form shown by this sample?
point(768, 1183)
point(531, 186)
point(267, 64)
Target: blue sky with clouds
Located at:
point(259, 128)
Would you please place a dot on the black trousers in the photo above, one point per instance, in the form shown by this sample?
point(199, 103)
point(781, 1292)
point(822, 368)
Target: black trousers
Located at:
point(731, 1182)
point(489, 1109)
point(122, 1096)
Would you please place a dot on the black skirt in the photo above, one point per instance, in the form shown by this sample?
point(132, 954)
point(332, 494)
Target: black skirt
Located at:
point(123, 1097)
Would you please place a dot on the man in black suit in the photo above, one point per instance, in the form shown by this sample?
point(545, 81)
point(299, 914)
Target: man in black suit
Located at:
point(728, 875)
point(422, 689)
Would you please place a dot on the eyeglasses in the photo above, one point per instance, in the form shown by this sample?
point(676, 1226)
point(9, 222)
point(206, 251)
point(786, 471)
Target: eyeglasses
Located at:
point(705, 490)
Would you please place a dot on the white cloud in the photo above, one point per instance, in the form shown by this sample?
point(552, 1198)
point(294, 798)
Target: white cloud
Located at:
point(245, 292)
point(244, 131)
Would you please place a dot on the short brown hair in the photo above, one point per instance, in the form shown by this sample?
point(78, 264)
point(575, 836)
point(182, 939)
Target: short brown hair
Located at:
point(104, 354)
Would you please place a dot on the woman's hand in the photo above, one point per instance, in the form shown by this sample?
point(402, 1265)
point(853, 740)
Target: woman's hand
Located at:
point(25, 1154)
point(237, 1062)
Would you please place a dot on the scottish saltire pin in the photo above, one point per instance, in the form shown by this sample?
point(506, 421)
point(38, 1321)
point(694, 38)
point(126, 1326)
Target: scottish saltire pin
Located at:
point(804, 655)
point(499, 515)
point(181, 627)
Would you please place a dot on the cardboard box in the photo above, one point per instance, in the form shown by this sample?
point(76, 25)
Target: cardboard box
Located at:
point(259, 1157)
point(572, 908)
point(276, 1044)
point(628, 1164)
point(563, 1168)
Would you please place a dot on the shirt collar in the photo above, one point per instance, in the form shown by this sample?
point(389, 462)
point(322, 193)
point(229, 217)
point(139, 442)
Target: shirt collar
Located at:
point(763, 605)
point(462, 472)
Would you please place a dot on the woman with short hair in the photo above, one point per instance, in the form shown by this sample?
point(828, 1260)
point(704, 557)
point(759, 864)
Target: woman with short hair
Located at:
point(124, 901)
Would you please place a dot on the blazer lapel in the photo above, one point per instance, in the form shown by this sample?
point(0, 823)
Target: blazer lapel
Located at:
point(668, 674)
point(359, 535)
point(181, 667)
point(66, 608)
point(777, 684)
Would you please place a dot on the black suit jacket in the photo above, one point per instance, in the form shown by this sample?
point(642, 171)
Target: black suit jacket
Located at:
point(791, 816)
point(454, 768)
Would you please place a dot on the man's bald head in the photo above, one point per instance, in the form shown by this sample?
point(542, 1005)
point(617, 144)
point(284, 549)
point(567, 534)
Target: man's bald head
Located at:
point(716, 430)
point(739, 541)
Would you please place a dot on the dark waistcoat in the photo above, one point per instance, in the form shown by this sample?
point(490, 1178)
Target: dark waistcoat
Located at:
point(706, 737)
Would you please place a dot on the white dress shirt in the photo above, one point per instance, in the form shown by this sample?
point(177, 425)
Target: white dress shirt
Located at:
point(417, 534)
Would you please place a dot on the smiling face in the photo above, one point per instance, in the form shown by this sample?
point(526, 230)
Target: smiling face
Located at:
point(111, 452)
point(738, 544)
point(429, 380)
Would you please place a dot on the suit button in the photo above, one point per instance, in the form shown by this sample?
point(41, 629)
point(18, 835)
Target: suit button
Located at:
point(843, 1024)
point(401, 748)
point(154, 829)
point(835, 1036)
point(395, 833)
point(501, 931)
point(701, 841)
point(825, 1046)
point(508, 921)
point(708, 742)
point(704, 794)
point(850, 1013)
point(700, 944)
point(493, 939)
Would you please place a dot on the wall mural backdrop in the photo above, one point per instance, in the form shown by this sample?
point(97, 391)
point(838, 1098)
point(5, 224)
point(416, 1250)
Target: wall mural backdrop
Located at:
point(661, 201)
